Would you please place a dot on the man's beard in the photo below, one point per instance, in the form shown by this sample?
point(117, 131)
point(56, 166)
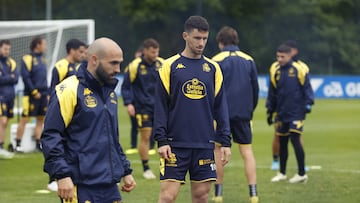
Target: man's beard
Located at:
point(103, 76)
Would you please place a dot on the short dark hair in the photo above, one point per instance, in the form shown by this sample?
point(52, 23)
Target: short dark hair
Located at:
point(150, 42)
point(196, 22)
point(283, 48)
point(35, 41)
point(292, 44)
point(74, 44)
point(227, 36)
point(4, 41)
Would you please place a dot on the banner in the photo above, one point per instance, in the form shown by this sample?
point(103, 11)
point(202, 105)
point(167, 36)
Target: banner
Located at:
point(324, 86)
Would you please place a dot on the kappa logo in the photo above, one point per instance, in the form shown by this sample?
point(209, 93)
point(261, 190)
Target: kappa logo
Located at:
point(87, 91)
point(180, 66)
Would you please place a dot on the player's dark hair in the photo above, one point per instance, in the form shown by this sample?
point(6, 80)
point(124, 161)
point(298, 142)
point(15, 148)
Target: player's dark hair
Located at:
point(227, 36)
point(196, 22)
point(74, 44)
point(4, 41)
point(283, 48)
point(35, 41)
point(150, 42)
point(292, 44)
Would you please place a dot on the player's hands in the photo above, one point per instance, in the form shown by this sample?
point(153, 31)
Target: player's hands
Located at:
point(66, 189)
point(165, 152)
point(129, 183)
point(225, 153)
point(131, 110)
point(308, 108)
point(37, 95)
point(269, 117)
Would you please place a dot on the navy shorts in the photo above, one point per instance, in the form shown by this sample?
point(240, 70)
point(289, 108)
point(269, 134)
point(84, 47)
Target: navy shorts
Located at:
point(94, 194)
point(200, 164)
point(145, 120)
point(7, 108)
point(241, 131)
point(34, 107)
point(284, 129)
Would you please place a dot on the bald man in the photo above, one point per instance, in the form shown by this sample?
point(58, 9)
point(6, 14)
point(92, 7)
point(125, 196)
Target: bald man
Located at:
point(80, 139)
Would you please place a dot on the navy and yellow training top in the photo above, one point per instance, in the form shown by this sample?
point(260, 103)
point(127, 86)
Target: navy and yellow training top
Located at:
point(62, 70)
point(139, 83)
point(8, 78)
point(189, 97)
point(33, 73)
point(289, 91)
point(240, 82)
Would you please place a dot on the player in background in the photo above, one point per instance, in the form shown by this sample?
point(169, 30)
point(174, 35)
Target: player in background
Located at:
point(189, 97)
point(138, 91)
point(8, 79)
point(291, 96)
point(276, 143)
point(66, 67)
point(36, 90)
point(242, 90)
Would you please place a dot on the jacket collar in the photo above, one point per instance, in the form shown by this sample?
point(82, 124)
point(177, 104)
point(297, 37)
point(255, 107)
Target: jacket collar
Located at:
point(231, 48)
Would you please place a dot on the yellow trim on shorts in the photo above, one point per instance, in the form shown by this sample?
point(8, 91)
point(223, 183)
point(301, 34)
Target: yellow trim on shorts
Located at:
point(295, 131)
point(145, 128)
point(203, 181)
point(172, 180)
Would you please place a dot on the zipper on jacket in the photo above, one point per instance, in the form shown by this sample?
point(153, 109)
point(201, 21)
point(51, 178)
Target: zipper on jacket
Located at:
point(109, 140)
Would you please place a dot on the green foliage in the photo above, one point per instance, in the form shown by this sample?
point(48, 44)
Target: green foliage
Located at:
point(327, 30)
point(330, 140)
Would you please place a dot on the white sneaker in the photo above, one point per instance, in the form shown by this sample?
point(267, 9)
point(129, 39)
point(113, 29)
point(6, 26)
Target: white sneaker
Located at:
point(53, 186)
point(298, 178)
point(148, 174)
point(19, 149)
point(5, 154)
point(278, 177)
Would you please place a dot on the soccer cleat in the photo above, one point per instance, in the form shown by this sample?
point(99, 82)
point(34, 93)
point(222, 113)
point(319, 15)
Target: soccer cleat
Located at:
point(152, 151)
point(278, 177)
point(53, 186)
point(131, 151)
point(254, 199)
point(148, 174)
point(19, 149)
point(5, 154)
point(298, 179)
point(217, 199)
point(275, 166)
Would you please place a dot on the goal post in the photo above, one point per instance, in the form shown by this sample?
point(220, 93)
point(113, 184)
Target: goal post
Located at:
point(56, 32)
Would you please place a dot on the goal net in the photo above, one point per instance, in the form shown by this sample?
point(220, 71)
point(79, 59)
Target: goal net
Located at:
point(56, 32)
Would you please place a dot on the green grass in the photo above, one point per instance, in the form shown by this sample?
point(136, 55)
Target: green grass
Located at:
point(331, 141)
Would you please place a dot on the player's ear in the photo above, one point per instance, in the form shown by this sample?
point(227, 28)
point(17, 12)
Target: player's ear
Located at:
point(184, 35)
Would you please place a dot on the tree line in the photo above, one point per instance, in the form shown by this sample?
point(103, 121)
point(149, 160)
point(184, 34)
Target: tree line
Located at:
point(327, 31)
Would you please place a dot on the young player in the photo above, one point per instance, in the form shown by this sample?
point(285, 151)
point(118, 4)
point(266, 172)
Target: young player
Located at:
point(8, 79)
point(189, 97)
point(291, 96)
point(242, 90)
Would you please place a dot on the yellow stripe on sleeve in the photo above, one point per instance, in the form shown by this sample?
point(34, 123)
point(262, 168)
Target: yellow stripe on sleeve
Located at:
point(133, 68)
point(301, 72)
point(66, 93)
point(62, 68)
point(221, 56)
point(218, 76)
point(28, 61)
point(164, 72)
point(273, 68)
point(12, 64)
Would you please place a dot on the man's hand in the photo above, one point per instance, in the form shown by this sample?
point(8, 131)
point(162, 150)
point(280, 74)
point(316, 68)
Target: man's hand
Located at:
point(165, 152)
point(65, 189)
point(269, 118)
point(131, 109)
point(129, 183)
point(225, 153)
point(37, 95)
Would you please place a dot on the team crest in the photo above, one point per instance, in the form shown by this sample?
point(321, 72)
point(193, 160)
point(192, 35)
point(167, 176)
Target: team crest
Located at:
point(172, 160)
point(277, 75)
point(71, 69)
point(112, 94)
point(291, 72)
point(206, 67)
point(143, 70)
point(90, 101)
point(158, 65)
point(194, 89)
point(4, 107)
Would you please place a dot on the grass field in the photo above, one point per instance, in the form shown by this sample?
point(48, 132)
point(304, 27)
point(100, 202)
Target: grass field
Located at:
point(332, 141)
